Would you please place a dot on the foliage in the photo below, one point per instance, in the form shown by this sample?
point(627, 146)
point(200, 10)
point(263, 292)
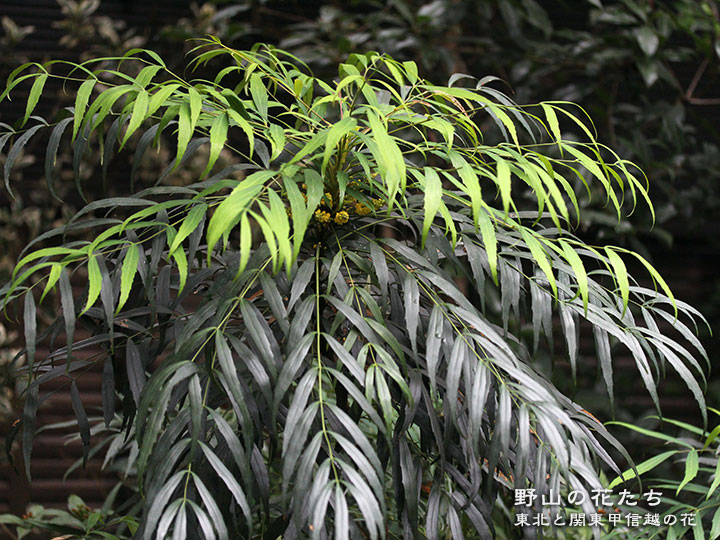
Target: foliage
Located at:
point(7, 353)
point(77, 522)
point(333, 344)
point(694, 490)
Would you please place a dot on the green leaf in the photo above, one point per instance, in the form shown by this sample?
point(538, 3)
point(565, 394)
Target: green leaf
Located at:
point(189, 224)
point(504, 184)
point(95, 282)
point(540, 256)
point(245, 126)
point(53, 276)
point(552, 121)
point(218, 136)
point(259, 95)
point(34, 96)
point(716, 481)
point(195, 101)
point(643, 467)
point(651, 433)
point(232, 206)
point(489, 238)
point(390, 160)
point(432, 200)
point(621, 276)
point(138, 115)
point(277, 216)
point(182, 264)
point(277, 140)
point(334, 134)
point(160, 98)
point(715, 526)
point(711, 437)
point(657, 278)
point(127, 276)
point(691, 469)
point(185, 132)
point(245, 242)
point(576, 264)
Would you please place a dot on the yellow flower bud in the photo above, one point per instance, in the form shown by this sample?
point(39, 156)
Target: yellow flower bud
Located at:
point(322, 216)
point(361, 209)
point(341, 217)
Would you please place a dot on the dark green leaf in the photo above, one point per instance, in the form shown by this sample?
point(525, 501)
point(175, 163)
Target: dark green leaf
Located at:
point(82, 420)
point(135, 370)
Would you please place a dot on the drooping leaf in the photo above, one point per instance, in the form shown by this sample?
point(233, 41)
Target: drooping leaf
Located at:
point(135, 369)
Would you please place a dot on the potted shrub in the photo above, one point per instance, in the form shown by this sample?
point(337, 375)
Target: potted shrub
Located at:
point(328, 336)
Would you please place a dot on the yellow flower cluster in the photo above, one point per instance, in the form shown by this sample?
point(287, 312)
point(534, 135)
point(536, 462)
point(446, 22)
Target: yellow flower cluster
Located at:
point(340, 212)
point(342, 217)
point(322, 216)
point(361, 209)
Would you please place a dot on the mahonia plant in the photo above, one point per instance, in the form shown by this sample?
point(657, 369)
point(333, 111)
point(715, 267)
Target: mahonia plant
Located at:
point(324, 339)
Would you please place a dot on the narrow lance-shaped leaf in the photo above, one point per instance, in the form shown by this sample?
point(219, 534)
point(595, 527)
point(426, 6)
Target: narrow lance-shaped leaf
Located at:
point(68, 307)
point(30, 327)
point(29, 424)
point(433, 199)
point(218, 136)
point(412, 305)
point(233, 205)
point(657, 278)
point(336, 132)
point(541, 259)
point(82, 420)
point(489, 238)
point(81, 100)
point(127, 276)
point(108, 391)
point(182, 264)
point(580, 274)
point(553, 123)
point(642, 468)
point(277, 140)
point(259, 95)
point(189, 224)
point(389, 157)
point(95, 282)
point(715, 482)
point(53, 276)
point(691, 469)
point(185, 132)
point(14, 153)
point(135, 370)
point(621, 276)
point(51, 154)
point(35, 92)
point(139, 112)
point(504, 184)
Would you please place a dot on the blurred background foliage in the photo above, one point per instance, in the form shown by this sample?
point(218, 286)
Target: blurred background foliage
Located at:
point(646, 71)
